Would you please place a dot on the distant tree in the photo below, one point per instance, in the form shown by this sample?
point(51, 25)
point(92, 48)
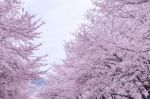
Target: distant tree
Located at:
point(110, 56)
point(18, 65)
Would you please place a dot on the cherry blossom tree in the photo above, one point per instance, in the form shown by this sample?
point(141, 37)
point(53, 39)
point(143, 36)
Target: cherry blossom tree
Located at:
point(109, 57)
point(18, 65)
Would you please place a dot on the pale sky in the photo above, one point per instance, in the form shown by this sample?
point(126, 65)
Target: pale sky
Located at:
point(62, 17)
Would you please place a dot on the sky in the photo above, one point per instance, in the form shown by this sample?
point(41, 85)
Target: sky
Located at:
point(62, 18)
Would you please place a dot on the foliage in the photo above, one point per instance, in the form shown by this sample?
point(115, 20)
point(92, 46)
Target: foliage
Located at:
point(109, 59)
point(18, 66)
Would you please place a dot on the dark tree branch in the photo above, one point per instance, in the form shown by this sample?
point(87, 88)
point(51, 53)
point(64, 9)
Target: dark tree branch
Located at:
point(127, 96)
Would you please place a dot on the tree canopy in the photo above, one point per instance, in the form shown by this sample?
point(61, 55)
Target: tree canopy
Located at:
point(109, 57)
point(18, 65)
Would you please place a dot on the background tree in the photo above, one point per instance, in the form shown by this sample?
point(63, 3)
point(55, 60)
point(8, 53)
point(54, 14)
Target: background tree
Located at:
point(109, 57)
point(18, 65)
